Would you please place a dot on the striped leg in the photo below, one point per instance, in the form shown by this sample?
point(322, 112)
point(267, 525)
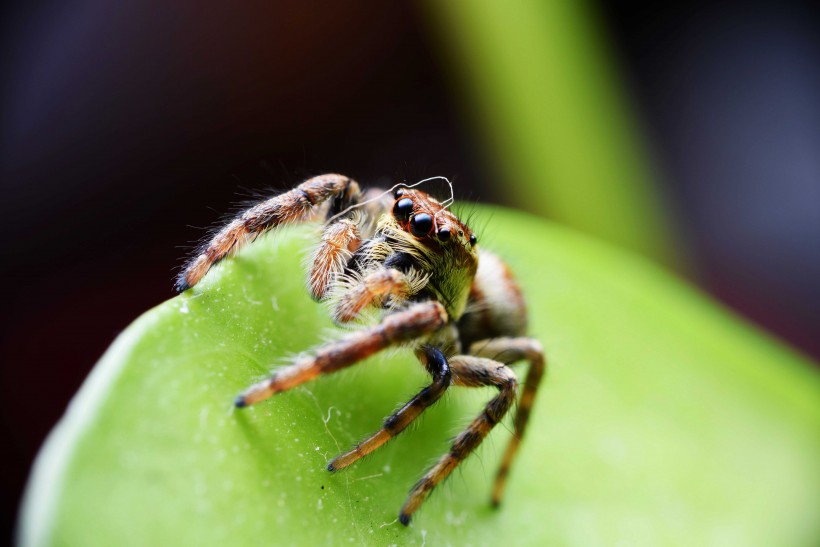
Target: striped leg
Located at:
point(439, 369)
point(414, 322)
point(471, 372)
point(339, 240)
point(510, 350)
point(293, 206)
point(373, 289)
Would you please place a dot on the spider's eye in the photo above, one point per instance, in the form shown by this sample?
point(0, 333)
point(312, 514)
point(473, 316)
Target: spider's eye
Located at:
point(443, 234)
point(403, 208)
point(473, 239)
point(398, 192)
point(421, 224)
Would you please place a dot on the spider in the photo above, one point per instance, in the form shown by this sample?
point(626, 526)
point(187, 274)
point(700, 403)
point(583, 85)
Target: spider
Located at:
point(410, 261)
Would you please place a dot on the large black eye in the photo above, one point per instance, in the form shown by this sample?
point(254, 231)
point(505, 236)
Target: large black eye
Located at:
point(421, 224)
point(443, 234)
point(398, 192)
point(473, 239)
point(403, 208)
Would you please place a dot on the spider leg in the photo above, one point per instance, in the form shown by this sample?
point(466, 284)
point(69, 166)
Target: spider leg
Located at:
point(339, 240)
point(373, 289)
point(439, 369)
point(467, 371)
point(510, 350)
point(416, 321)
point(293, 206)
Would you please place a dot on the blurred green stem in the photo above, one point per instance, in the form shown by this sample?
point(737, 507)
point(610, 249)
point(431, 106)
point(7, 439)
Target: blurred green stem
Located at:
point(555, 118)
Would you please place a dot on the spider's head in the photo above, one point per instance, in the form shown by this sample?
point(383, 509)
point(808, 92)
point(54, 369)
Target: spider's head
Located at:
point(429, 222)
point(443, 246)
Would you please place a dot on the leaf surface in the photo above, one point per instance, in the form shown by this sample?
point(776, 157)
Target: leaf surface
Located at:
point(663, 420)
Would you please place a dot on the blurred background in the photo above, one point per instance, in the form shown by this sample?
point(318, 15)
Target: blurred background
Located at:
point(687, 133)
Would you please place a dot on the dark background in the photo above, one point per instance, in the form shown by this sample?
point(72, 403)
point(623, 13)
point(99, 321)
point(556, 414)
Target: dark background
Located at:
point(125, 127)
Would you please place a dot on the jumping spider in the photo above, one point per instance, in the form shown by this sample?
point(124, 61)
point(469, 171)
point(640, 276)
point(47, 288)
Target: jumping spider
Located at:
point(411, 257)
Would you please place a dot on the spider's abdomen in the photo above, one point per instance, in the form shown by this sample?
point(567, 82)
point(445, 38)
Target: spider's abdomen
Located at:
point(495, 306)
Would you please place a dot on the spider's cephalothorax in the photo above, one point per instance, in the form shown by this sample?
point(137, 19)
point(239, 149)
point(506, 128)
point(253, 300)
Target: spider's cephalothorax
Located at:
point(410, 259)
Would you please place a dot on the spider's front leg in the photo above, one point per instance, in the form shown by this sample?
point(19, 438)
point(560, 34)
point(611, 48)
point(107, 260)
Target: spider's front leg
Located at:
point(296, 205)
point(339, 240)
point(374, 289)
point(409, 324)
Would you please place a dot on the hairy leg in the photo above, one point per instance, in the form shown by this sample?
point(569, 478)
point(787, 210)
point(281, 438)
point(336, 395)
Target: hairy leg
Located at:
point(409, 324)
point(439, 369)
point(339, 241)
point(292, 206)
point(372, 289)
point(471, 372)
point(510, 350)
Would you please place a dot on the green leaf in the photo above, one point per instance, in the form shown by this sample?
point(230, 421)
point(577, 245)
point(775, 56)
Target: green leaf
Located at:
point(663, 420)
